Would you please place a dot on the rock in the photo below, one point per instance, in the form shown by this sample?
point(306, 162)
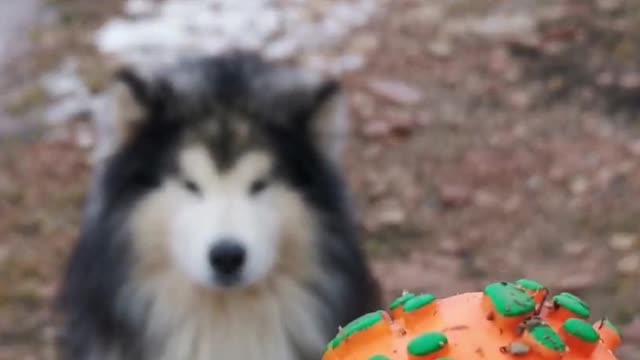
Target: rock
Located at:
point(452, 195)
point(85, 138)
point(609, 5)
point(427, 14)
point(634, 148)
point(520, 100)
point(629, 264)
point(395, 91)
point(625, 167)
point(499, 61)
point(512, 204)
point(605, 79)
point(630, 81)
point(556, 83)
point(604, 176)
point(363, 104)
point(535, 182)
point(554, 12)
point(391, 217)
point(530, 46)
point(575, 248)
point(449, 246)
point(4, 253)
point(485, 199)
point(376, 129)
point(348, 63)
point(579, 185)
point(623, 241)
point(557, 173)
point(401, 122)
point(440, 48)
point(364, 43)
point(372, 152)
point(368, 224)
point(503, 26)
point(377, 186)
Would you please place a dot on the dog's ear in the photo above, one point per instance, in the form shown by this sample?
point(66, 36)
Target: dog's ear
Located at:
point(123, 112)
point(138, 87)
point(308, 103)
point(328, 117)
point(132, 96)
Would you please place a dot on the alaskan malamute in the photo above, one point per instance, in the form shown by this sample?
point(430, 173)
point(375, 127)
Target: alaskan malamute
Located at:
point(220, 228)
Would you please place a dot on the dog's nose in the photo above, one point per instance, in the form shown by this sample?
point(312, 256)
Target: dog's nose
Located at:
point(227, 257)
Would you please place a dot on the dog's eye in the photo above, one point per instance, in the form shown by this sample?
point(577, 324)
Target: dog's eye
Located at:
point(191, 186)
point(258, 186)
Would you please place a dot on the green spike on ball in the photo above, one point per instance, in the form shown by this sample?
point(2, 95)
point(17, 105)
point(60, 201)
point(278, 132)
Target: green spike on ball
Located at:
point(362, 323)
point(418, 302)
point(548, 337)
point(572, 303)
point(399, 301)
point(530, 285)
point(582, 330)
point(509, 299)
point(379, 357)
point(427, 343)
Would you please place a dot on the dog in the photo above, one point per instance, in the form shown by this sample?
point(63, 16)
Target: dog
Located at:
point(221, 226)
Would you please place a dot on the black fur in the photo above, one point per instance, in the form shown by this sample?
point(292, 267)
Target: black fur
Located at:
point(280, 122)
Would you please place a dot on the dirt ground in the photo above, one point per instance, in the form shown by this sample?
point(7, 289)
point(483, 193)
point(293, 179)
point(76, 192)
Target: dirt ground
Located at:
point(490, 142)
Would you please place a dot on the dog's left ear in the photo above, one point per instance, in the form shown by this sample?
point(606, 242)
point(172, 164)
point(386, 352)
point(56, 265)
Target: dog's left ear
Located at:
point(311, 104)
point(132, 96)
point(328, 117)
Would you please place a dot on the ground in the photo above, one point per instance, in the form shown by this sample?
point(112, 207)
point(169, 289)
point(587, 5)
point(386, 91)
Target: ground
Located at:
point(487, 145)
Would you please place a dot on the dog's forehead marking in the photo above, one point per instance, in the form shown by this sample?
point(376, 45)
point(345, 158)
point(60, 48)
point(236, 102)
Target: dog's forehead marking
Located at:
point(236, 137)
point(226, 136)
point(252, 164)
point(197, 163)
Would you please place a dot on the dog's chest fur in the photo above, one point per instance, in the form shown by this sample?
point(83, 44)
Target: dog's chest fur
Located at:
point(283, 322)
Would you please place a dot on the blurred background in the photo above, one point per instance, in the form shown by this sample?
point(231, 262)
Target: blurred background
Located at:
point(491, 140)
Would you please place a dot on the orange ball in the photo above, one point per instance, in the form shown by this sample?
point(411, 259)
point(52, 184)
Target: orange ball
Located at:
point(505, 321)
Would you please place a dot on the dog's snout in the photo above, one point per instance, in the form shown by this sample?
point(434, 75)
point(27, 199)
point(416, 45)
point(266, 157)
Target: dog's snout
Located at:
point(227, 258)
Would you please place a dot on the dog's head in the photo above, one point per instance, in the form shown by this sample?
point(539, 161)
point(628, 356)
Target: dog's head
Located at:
point(226, 156)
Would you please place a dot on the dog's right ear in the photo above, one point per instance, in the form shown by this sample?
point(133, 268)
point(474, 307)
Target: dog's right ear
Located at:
point(133, 96)
point(140, 89)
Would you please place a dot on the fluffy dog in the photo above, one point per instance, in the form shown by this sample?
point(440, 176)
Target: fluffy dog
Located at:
point(221, 227)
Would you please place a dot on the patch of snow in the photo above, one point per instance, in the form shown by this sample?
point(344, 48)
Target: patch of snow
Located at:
point(166, 31)
point(70, 95)
point(63, 81)
point(71, 99)
point(137, 8)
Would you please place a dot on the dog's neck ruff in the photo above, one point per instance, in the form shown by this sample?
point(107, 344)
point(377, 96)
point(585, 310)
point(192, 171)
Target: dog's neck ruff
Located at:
point(279, 321)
